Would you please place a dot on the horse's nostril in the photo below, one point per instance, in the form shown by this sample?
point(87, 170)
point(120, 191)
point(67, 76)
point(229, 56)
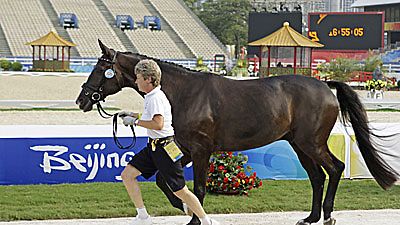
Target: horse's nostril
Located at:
point(78, 101)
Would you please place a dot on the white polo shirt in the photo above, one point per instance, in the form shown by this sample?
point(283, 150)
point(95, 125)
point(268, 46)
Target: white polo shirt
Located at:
point(156, 103)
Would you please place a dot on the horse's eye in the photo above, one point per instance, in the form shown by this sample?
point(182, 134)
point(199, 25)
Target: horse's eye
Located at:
point(86, 93)
point(101, 89)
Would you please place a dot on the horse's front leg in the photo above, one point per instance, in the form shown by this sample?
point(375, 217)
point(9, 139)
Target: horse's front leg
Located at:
point(201, 157)
point(175, 201)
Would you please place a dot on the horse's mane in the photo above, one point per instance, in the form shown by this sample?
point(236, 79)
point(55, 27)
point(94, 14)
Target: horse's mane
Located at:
point(171, 64)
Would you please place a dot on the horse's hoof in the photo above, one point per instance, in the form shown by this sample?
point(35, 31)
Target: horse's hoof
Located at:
point(302, 222)
point(190, 223)
point(330, 221)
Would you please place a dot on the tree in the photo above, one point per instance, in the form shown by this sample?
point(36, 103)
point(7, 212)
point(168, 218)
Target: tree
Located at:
point(191, 4)
point(340, 69)
point(227, 19)
point(371, 62)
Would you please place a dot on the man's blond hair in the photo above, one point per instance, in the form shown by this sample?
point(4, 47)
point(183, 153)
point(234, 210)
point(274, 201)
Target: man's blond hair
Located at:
point(148, 68)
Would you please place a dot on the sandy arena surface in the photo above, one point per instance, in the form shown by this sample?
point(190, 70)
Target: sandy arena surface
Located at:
point(61, 88)
point(354, 217)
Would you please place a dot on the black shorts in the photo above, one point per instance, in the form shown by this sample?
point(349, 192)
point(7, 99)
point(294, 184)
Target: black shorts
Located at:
point(148, 162)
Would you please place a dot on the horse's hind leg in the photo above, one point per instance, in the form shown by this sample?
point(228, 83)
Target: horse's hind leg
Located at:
point(317, 179)
point(322, 156)
point(334, 167)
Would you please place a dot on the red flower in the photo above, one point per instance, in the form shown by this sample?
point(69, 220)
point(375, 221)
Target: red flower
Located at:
point(226, 180)
point(241, 175)
point(236, 184)
point(212, 168)
point(221, 168)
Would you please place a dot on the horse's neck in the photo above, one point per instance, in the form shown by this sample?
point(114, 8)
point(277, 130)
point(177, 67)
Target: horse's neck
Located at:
point(172, 83)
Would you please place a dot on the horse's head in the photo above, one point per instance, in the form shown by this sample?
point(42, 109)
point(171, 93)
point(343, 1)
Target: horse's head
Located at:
point(111, 73)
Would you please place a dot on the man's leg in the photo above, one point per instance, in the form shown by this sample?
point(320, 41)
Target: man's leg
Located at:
point(194, 204)
point(129, 176)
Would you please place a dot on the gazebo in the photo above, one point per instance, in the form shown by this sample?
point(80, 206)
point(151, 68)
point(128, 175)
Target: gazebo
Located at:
point(50, 45)
point(288, 52)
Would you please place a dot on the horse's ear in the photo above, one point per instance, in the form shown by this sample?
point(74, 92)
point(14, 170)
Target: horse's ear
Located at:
point(104, 49)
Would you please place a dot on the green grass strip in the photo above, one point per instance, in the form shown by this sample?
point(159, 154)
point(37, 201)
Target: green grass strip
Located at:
point(383, 110)
point(105, 200)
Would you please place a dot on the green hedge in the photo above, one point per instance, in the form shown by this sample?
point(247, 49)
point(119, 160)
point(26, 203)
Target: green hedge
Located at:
point(5, 64)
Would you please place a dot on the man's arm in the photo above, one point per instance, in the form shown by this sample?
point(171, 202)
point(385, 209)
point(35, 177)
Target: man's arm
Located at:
point(157, 123)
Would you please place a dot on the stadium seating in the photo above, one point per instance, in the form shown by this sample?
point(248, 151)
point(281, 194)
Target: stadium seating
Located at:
point(182, 35)
point(92, 26)
point(134, 8)
point(193, 34)
point(154, 43)
point(391, 56)
point(22, 22)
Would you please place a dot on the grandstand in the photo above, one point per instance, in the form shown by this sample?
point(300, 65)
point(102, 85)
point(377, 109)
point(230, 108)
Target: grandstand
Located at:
point(196, 36)
point(20, 27)
point(157, 44)
point(182, 34)
point(92, 26)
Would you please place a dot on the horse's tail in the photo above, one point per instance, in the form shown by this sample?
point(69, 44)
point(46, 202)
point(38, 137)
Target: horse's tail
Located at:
point(352, 110)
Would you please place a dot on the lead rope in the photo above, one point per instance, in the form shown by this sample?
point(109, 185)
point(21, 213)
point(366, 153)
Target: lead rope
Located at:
point(106, 115)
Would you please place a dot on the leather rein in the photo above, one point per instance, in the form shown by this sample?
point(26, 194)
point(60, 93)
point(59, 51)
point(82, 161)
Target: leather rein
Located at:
point(97, 96)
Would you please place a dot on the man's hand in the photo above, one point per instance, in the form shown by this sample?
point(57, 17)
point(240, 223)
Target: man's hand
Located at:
point(125, 113)
point(129, 120)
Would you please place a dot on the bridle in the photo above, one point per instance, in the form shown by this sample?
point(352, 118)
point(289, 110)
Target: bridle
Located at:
point(96, 95)
point(97, 92)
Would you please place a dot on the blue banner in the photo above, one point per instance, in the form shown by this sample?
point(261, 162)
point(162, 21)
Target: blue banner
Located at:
point(53, 154)
point(65, 160)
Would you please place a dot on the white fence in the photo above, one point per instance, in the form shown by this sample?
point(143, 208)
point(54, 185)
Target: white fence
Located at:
point(188, 63)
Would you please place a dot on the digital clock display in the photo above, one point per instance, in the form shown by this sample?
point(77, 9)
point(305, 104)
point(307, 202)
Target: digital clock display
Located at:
point(347, 31)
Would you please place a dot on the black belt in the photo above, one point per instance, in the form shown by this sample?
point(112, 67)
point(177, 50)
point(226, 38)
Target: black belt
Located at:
point(161, 141)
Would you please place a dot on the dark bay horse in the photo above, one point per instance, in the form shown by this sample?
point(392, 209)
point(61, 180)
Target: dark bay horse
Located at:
point(212, 113)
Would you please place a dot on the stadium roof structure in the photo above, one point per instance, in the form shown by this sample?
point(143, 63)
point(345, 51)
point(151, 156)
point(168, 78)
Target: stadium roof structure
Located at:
point(286, 37)
point(363, 3)
point(51, 39)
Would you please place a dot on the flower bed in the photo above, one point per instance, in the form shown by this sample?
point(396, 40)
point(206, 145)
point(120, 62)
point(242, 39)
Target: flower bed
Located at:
point(375, 84)
point(227, 174)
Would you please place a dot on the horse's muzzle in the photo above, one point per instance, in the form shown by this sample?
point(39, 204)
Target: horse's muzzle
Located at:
point(85, 107)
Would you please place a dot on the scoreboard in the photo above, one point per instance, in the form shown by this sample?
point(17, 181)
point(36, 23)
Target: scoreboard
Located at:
point(347, 31)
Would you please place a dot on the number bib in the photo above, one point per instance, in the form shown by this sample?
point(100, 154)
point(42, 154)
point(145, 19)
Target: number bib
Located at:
point(173, 151)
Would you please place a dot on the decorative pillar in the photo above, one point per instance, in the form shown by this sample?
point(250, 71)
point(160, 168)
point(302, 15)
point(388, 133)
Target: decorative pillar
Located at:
point(295, 60)
point(33, 53)
point(40, 52)
point(259, 62)
point(311, 62)
point(62, 57)
point(269, 60)
point(44, 58)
